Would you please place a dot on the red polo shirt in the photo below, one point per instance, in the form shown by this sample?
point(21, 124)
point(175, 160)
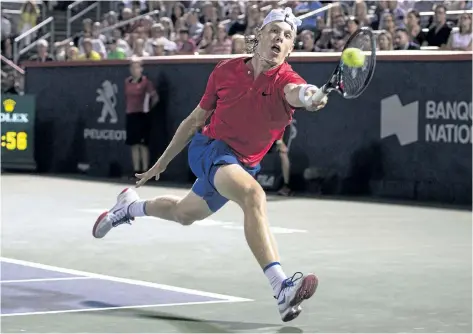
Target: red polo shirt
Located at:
point(249, 114)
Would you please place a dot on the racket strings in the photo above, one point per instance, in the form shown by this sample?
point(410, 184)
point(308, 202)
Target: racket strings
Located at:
point(354, 79)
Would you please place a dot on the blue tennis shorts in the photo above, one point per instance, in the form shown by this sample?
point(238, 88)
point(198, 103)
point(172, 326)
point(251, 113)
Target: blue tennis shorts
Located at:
point(205, 156)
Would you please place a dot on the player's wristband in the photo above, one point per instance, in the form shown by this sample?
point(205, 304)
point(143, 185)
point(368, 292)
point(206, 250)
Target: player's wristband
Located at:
point(305, 101)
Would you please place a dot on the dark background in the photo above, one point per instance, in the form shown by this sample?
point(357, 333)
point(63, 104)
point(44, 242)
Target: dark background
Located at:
point(342, 140)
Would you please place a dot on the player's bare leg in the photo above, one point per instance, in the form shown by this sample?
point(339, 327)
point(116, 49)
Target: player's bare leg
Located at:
point(234, 183)
point(183, 210)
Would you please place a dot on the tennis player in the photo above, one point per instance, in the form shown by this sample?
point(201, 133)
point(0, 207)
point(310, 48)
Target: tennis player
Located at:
point(249, 100)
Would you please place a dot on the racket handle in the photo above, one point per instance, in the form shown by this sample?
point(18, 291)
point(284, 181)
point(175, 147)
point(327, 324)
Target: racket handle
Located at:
point(319, 95)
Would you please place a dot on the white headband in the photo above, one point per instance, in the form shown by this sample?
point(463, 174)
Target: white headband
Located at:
point(284, 15)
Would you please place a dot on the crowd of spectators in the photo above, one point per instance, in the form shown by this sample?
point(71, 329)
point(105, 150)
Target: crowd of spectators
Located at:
point(219, 27)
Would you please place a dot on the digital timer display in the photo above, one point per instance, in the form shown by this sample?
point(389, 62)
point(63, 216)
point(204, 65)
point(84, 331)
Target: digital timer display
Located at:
point(17, 136)
point(15, 141)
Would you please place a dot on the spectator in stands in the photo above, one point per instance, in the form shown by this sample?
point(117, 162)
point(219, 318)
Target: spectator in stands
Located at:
point(416, 35)
point(72, 53)
point(385, 41)
point(308, 41)
point(127, 14)
point(252, 20)
point(114, 52)
point(352, 25)
point(87, 25)
point(158, 31)
point(177, 12)
point(146, 23)
point(323, 43)
point(168, 28)
point(440, 31)
point(334, 39)
point(138, 93)
point(97, 45)
point(180, 24)
point(143, 34)
point(159, 47)
point(88, 52)
point(209, 13)
point(185, 44)
point(42, 54)
point(193, 24)
point(109, 20)
point(461, 40)
point(361, 13)
point(204, 42)
point(381, 9)
point(235, 24)
point(238, 44)
point(397, 13)
point(222, 45)
point(86, 31)
point(388, 23)
point(121, 43)
point(96, 27)
point(402, 42)
point(28, 19)
point(139, 48)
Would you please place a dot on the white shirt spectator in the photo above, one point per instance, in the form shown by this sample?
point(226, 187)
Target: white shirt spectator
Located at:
point(460, 41)
point(97, 46)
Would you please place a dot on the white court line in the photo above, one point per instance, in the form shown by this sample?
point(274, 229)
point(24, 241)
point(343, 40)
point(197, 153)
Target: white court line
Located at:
point(125, 280)
point(114, 308)
point(43, 279)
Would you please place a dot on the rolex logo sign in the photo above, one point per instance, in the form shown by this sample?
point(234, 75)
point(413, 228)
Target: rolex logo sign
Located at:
point(9, 105)
point(8, 116)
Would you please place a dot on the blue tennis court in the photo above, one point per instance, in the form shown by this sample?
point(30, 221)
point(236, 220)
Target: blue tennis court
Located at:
point(30, 288)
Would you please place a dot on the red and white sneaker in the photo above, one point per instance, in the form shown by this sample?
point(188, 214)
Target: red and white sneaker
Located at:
point(293, 292)
point(117, 215)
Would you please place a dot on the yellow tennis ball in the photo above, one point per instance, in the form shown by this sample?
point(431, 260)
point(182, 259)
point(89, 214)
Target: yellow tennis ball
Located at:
point(353, 57)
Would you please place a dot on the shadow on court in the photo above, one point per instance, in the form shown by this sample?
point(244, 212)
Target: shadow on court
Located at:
point(191, 325)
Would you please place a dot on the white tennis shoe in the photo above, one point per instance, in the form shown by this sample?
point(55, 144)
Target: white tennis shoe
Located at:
point(294, 290)
point(117, 215)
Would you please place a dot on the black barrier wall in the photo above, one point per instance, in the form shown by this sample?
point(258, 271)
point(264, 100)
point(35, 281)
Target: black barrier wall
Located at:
point(408, 136)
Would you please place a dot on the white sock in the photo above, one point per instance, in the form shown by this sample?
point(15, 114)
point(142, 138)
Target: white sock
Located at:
point(275, 275)
point(137, 209)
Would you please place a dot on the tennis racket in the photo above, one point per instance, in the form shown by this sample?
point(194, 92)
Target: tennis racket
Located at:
point(351, 82)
